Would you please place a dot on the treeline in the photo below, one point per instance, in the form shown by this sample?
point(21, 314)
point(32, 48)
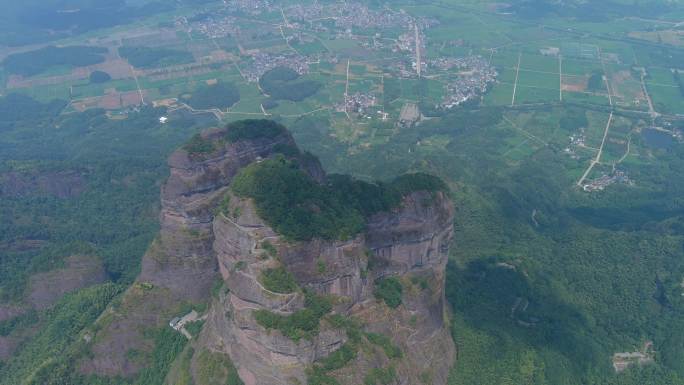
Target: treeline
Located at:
point(35, 62)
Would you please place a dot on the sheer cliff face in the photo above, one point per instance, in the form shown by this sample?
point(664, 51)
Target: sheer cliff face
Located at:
point(180, 265)
point(199, 242)
point(410, 242)
point(188, 199)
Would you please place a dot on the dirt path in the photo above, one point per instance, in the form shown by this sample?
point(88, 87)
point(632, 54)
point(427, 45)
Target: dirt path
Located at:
point(517, 73)
point(629, 143)
point(346, 91)
point(605, 78)
point(605, 132)
point(651, 110)
point(600, 151)
point(560, 76)
point(512, 123)
point(133, 73)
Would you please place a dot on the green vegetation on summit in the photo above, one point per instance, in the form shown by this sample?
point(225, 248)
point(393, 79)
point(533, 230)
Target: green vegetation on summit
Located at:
point(251, 129)
point(299, 208)
point(293, 203)
point(197, 145)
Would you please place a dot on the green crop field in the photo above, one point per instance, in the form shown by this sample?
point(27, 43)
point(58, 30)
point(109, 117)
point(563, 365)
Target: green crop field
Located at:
point(660, 76)
point(580, 67)
point(500, 95)
point(534, 95)
point(539, 63)
point(668, 99)
point(538, 79)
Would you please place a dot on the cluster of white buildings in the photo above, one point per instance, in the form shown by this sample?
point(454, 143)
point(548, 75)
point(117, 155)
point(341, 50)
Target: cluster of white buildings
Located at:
point(263, 62)
point(474, 78)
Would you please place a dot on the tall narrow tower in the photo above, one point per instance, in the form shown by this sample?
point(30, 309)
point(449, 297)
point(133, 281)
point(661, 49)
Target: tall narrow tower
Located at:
point(418, 60)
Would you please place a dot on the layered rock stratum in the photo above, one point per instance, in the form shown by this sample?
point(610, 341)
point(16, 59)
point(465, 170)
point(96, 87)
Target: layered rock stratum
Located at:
point(209, 235)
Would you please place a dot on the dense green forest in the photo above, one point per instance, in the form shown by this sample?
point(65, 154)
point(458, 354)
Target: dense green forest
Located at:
point(59, 330)
point(34, 62)
point(19, 111)
point(282, 83)
point(116, 167)
point(220, 95)
point(118, 164)
point(596, 273)
point(151, 57)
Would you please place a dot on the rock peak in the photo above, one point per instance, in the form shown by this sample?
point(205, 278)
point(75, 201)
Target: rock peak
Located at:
point(312, 266)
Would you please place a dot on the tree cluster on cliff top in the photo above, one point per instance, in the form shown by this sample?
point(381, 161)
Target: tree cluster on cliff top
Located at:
point(253, 129)
point(293, 203)
point(299, 208)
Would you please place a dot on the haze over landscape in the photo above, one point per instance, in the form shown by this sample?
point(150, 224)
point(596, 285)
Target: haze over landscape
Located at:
point(266, 192)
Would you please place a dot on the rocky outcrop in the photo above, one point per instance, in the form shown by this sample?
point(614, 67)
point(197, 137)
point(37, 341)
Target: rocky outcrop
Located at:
point(208, 233)
point(409, 242)
point(180, 266)
point(192, 191)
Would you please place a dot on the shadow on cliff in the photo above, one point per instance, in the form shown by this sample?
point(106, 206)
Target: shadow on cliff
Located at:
point(502, 301)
